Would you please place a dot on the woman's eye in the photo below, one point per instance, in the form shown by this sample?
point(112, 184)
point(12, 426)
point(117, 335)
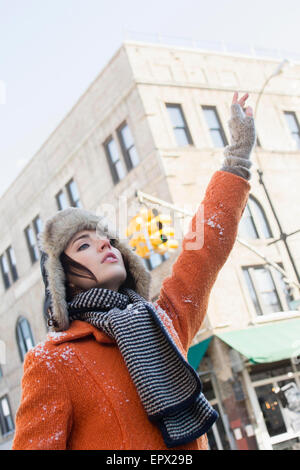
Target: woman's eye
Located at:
point(85, 244)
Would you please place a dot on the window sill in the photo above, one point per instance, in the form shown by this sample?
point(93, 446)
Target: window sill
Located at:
point(174, 151)
point(258, 241)
point(277, 151)
point(276, 316)
point(284, 437)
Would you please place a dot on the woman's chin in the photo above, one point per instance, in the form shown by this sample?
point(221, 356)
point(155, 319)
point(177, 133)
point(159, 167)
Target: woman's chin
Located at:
point(112, 284)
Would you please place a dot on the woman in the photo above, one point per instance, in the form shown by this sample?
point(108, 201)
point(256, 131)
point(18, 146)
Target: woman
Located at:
point(113, 372)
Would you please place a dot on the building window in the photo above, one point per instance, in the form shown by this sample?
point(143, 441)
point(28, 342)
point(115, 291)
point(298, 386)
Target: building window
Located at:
point(5, 272)
point(127, 145)
point(73, 193)
point(32, 245)
point(293, 124)
point(31, 234)
point(24, 337)
point(268, 290)
point(215, 127)
point(8, 267)
point(37, 225)
point(254, 223)
point(115, 164)
point(61, 200)
point(155, 260)
point(6, 421)
point(12, 263)
point(68, 196)
point(180, 128)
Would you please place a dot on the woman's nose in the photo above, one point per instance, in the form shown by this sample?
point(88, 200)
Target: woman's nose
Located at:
point(103, 243)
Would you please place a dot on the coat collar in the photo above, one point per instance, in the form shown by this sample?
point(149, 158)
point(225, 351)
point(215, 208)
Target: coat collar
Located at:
point(77, 330)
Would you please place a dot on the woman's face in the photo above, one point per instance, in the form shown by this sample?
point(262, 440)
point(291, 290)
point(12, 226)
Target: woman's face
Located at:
point(89, 249)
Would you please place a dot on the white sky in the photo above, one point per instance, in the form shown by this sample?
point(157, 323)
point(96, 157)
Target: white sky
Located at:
point(51, 50)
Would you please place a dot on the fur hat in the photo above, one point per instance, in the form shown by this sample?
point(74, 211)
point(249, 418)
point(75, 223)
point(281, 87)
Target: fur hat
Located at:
point(58, 230)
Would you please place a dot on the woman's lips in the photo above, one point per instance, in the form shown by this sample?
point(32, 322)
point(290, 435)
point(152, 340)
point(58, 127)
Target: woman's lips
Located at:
point(110, 260)
point(108, 255)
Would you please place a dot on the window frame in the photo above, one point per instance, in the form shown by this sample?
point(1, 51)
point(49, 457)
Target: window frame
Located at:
point(124, 149)
point(3, 423)
point(292, 113)
point(11, 276)
point(221, 129)
point(185, 124)
point(35, 225)
point(5, 275)
point(30, 247)
point(276, 283)
point(255, 219)
point(67, 193)
point(112, 165)
point(74, 203)
point(12, 266)
point(59, 205)
point(19, 333)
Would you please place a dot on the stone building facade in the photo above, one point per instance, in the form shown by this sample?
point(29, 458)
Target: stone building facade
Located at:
point(155, 119)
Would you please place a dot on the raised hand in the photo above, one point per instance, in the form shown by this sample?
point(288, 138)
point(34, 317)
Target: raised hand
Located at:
point(243, 137)
point(248, 111)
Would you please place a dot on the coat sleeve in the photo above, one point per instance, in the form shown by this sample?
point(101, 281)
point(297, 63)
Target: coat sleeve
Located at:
point(205, 248)
point(43, 420)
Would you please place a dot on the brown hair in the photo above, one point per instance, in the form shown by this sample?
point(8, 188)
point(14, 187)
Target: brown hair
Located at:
point(71, 266)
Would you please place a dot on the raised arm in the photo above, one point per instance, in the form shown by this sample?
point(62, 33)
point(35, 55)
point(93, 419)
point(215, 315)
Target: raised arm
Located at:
point(212, 231)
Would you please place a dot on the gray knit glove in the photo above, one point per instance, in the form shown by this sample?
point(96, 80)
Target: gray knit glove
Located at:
point(243, 138)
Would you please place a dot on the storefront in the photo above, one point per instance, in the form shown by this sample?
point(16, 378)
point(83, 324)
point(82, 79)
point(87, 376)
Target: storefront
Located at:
point(268, 382)
point(277, 389)
point(271, 375)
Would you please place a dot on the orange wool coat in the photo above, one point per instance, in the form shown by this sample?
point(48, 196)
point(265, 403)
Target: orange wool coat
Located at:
point(76, 390)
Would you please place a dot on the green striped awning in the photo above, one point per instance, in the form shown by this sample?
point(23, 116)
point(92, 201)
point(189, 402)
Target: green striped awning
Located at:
point(196, 352)
point(267, 343)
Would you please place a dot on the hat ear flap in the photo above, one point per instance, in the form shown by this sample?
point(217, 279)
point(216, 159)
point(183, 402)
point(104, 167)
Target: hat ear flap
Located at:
point(47, 300)
point(57, 281)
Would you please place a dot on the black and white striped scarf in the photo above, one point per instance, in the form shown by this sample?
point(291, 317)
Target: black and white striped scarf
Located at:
point(169, 388)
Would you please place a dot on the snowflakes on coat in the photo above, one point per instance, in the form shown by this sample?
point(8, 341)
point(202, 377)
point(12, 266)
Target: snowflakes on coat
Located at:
point(190, 300)
point(212, 222)
point(109, 386)
point(43, 443)
point(56, 335)
point(64, 355)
